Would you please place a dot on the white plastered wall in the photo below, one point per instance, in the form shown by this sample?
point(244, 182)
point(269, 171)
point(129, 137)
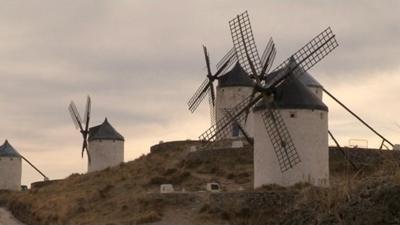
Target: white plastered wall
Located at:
point(309, 131)
point(227, 98)
point(105, 153)
point(10, 173)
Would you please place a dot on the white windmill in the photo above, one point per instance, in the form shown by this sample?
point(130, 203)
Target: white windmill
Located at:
point(103, 144)
point(11, 167)
point(234, 85)
point(283, 153)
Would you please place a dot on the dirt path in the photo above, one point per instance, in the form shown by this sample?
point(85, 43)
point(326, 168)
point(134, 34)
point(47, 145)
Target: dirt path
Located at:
point(6, 218)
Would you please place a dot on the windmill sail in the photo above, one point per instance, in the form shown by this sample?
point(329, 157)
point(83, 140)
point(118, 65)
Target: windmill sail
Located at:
point(301, 61)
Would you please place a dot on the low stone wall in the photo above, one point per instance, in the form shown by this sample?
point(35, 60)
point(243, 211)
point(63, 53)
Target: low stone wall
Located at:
point(206, 155)
point(40, 184)
point(364, 159)
point(165, 146)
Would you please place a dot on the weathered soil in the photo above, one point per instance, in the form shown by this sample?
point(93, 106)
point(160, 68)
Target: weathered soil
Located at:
point(6, 218)
point(129, 193)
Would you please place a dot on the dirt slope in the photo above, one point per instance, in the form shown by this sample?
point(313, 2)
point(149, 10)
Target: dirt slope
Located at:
point(128, 194)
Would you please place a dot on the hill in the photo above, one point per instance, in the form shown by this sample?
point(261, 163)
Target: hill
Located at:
point(129, 193)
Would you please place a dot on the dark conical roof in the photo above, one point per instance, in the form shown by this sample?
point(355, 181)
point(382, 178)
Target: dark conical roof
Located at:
point(306, 78)
point(6, 150)
point(237, 76)
point(104, 131)
point(293, 94)
point(309, 80)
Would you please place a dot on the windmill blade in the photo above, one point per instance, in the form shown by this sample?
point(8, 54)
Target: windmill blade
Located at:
point(76, 118)
point(199, 95)
point(247, 112)
point(305, 58)
point(268, 57)
point(212, 108)
point(281, 140)
point(227, 61)
point(211, 102)
point(221, 128)
point(243, 41)
point(86, 118)
point(207, 58)
point(85, 147)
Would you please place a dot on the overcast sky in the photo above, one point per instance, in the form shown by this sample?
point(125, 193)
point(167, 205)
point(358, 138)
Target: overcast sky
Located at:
point(141, 60)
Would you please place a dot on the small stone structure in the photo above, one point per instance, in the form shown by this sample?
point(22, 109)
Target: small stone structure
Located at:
point(166, 188)
point(106, 147)
point(213, 187)
point(237, 144)
point(10, 168)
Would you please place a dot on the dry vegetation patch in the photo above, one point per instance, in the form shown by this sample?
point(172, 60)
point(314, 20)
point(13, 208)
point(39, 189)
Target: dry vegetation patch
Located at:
point(128, 193)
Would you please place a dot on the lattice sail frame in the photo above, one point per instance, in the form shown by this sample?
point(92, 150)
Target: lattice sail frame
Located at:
point(243, 40)
point(309, 55)
point(198, 96)
point(205, 88)
point(222, 128)
point(306, 57)
point(75, 116)
point(212, 107)
point(268, 57)
point(280, 138)
point(229, 56)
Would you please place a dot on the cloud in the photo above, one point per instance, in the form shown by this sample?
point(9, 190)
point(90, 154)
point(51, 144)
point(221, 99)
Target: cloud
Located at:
point(141, 60)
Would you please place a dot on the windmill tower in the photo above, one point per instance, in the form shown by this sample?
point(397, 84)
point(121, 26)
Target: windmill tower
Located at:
point(306, 118)
point(276, 143)
point(10, 168)
point(104, 146)
point(234, 85)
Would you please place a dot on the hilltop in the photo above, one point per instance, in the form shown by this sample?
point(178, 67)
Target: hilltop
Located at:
point(129, 193)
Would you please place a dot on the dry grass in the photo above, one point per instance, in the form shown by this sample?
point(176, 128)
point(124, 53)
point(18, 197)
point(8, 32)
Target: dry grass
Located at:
point(120, 195)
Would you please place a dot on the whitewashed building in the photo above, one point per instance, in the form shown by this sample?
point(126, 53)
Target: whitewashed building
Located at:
point(105, 146)
point(306, 118)
point(10, 168)
point(233, 87)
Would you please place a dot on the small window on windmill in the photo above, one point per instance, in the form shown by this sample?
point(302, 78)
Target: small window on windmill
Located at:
point(321, 115)
point(293, 115)
point(213, 187)
point(235, 129)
